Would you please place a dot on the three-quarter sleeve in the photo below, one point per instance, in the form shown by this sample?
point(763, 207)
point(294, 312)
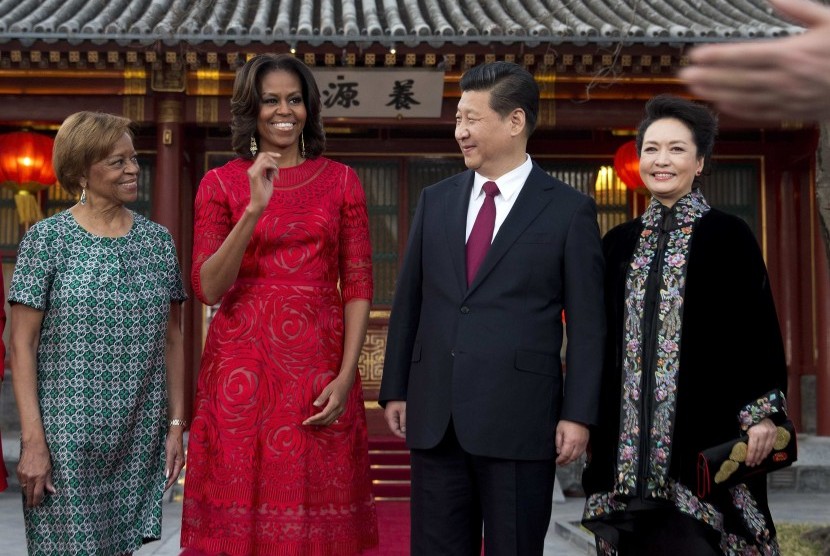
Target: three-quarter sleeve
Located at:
point(355, 248)
point(211, 225)
point(34, 270)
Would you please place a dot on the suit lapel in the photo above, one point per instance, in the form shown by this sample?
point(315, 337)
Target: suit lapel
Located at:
point(457, 201)
point(536, 194)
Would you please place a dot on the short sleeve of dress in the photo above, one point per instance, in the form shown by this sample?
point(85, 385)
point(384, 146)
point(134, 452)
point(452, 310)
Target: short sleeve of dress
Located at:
point(174, 272)
point(34, 270)
point(355, 247)
point(211, 225)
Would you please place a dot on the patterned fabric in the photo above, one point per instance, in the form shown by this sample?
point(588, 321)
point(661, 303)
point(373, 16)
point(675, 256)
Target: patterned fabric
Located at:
point(101, 380)
point(662, 377)
point(688, 504)
point(773, 405)
point(658, 400)
point(258, 481)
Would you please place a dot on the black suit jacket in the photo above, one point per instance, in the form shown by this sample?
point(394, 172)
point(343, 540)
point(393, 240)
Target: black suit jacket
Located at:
point(489, 355)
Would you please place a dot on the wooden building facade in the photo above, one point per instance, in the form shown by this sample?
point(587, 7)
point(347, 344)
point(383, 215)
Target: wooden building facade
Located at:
point(169, 65)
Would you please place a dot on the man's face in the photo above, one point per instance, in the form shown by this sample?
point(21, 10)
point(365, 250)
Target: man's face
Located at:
point(483, 135)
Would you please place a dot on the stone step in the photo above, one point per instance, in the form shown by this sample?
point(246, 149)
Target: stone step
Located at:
point(573, 532)
point(811, 472)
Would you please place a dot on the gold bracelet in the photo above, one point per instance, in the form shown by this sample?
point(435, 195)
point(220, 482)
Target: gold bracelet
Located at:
point(177, 423)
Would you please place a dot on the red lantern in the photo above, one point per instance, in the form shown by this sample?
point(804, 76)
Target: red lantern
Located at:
point(26, 168)
point(627, 165)
point(26, 161)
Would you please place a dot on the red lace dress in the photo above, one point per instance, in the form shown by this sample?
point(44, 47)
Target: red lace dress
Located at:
point(258, 481)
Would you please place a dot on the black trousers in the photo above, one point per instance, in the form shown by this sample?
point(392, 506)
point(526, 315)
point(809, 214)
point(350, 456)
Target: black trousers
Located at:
point(455, 494)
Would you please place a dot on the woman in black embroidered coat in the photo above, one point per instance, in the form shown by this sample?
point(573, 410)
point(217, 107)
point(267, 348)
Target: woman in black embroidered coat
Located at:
point(693, 357)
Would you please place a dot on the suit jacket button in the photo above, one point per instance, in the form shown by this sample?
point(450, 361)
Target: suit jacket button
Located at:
point(452, 352)
point(465, 309)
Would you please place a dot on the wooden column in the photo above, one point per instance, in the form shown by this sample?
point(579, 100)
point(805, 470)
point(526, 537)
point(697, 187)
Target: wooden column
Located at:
point(821, 236)
point(822, 330)
point(787, 301)
point(167, 203)
point(166, 199)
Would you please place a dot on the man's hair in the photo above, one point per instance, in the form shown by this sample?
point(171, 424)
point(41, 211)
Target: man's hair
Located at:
point(510, 85)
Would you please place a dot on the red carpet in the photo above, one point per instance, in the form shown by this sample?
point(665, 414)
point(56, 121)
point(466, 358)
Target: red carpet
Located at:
point(389, 460)
point(393, 527)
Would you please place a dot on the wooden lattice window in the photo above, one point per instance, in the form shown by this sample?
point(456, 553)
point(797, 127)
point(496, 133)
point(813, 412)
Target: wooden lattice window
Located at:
point(380, 179)
point(734, 187)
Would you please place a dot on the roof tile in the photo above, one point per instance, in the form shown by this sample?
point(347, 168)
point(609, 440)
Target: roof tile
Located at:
point(428, 21)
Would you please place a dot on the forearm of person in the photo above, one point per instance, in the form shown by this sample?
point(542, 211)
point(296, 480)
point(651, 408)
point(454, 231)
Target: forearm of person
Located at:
point(176, 406)
point(356, 320)
point(24, 341)
point(219, 272)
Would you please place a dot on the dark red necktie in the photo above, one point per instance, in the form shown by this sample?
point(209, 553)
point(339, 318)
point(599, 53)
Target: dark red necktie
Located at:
point(482, 233)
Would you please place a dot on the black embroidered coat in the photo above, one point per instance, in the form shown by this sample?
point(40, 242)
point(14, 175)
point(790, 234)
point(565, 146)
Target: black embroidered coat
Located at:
point(731, 354)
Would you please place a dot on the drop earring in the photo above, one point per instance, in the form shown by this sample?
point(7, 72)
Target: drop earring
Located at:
point(302, 146)
point(83, 195)
point(254, 148)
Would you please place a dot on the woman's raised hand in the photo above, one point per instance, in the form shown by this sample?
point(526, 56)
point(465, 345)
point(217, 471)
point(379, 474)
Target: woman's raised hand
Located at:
point(261, 176)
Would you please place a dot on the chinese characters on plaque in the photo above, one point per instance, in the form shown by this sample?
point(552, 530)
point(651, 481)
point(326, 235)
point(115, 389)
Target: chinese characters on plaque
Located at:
point(379, 93)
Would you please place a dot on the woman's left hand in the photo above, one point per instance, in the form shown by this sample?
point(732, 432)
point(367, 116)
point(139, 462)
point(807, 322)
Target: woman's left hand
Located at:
point(174, 448)
point(334, 398)
point(761, 439)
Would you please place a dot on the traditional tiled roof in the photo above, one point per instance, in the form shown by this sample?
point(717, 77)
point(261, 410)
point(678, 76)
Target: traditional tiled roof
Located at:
point(408, 22)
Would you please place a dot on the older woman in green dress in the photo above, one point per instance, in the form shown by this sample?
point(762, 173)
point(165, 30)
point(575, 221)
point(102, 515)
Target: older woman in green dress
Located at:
point(97, 358)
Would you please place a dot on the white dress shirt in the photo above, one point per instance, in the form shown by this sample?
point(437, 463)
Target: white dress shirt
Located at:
point(510, 184)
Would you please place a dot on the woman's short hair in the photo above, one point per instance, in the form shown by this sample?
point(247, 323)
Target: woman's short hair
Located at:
point(510, 85)
point(83, 139)
point(247, 98)
point(700, 120)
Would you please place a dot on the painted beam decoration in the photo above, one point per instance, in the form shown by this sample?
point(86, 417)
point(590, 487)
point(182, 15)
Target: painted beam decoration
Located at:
point(380, 93)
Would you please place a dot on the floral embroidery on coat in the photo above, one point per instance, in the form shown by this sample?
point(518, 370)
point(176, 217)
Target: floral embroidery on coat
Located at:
point(663, 398)
point(770, 404)
point(763, 544)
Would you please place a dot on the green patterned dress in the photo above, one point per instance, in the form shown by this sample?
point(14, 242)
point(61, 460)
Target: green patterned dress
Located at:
point(101, 380)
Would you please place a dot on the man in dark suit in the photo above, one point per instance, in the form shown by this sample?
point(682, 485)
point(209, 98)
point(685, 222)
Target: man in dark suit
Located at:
point(472, 376)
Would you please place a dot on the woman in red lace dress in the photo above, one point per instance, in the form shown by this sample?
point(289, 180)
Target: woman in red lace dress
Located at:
point(277, 458)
